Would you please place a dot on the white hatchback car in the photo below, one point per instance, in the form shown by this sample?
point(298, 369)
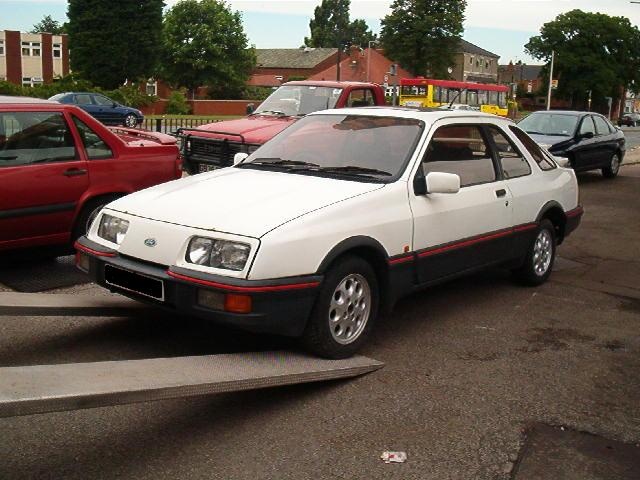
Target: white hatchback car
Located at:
point(335, 219)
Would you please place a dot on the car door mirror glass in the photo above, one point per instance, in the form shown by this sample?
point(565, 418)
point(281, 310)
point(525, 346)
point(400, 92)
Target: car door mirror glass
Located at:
point(440, 182)
point(239, 157)
point(586, 135)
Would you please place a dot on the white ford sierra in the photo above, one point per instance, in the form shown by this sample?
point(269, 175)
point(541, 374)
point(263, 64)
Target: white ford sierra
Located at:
point(336, 218)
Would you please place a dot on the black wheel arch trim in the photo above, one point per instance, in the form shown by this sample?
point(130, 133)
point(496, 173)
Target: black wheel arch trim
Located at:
point(548, 206)
point(351, 243)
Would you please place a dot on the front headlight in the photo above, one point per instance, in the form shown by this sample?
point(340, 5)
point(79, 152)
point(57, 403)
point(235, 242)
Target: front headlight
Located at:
point(112, 229)
point(218, 253)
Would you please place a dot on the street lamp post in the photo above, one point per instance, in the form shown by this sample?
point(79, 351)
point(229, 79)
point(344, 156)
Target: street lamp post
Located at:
point(374, 42)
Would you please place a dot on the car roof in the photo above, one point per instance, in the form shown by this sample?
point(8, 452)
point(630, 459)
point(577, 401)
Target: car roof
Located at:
point(428, 115)
point(6, 99)
point(575, 113)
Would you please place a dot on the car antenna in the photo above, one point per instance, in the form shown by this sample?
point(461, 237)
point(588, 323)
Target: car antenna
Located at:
point(456, 97)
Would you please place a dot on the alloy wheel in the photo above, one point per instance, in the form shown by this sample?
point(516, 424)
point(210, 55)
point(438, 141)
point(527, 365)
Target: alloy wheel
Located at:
point(542, 252)
point(349, 308)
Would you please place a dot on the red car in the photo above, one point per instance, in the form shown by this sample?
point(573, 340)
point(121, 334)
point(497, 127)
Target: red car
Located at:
point(59, 166)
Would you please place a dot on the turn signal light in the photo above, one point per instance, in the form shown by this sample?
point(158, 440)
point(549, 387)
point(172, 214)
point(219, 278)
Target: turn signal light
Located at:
point(237, 303)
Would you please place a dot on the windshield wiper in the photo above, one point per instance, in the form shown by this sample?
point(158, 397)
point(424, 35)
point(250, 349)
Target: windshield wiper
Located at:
point(279, 162)
point(356, 170)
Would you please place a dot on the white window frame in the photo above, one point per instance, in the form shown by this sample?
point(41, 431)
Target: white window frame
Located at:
point(1, 47)
point(151, 84)
point(30, 48)
point(56, 47)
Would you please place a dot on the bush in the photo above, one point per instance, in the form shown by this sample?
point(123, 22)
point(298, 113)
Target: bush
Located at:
point(129, 95)
point(177, 104)
point(257, 93)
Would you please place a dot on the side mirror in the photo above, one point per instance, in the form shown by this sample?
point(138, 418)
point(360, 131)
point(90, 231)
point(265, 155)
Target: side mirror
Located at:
point(586, 135)
point(250, 108)
point(239, 157)
point(439, 182)
point(562, 161)
point(114, 105)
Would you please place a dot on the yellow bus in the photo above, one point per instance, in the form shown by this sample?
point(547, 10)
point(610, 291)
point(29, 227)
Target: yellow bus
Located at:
point(427, 92)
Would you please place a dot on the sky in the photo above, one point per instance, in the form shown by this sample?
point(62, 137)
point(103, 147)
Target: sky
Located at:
point(500, 26)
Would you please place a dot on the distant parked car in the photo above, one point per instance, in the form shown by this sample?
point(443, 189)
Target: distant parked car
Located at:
point(588, 140)
point(59, 166)
point(103, 108)
point(630, 119)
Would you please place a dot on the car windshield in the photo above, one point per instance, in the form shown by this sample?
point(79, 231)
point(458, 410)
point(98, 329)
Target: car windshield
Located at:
point(293, 100)
point(353, 146)
point(549, 124)
point(57, 97)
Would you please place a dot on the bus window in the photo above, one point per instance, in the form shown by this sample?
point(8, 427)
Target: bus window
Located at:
point(502, 99)
point(493, 97)
point(472, 98)
point(437, 94)
point(482, 98)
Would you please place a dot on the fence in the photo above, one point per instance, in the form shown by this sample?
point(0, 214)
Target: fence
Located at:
point(171, 124)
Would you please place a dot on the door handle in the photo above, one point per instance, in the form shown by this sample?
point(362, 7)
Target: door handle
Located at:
point(501, 193)
point(74, 172)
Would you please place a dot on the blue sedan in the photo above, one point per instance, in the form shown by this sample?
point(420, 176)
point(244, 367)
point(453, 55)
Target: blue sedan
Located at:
point(103, 108)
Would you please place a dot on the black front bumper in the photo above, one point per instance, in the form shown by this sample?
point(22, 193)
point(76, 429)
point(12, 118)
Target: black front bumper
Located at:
point(279, 306)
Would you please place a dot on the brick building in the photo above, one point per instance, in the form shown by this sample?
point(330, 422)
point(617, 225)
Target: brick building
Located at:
point(281, 64)
point(474, 64)
point(32, 58)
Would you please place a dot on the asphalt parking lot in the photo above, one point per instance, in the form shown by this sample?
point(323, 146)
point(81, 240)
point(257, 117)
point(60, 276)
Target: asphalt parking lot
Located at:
point(480, 375)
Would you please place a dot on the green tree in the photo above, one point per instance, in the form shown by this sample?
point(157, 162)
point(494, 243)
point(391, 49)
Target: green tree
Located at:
point(113, 41)
point(49, 25)
point(330, 26)
point(204, 44)
point(423, 35)
point(593, 52)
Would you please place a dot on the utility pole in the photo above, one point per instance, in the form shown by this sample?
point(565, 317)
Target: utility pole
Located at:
point(553, 54)
point(374, 42)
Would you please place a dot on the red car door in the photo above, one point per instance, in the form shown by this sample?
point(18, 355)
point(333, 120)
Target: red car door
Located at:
point(42, 177)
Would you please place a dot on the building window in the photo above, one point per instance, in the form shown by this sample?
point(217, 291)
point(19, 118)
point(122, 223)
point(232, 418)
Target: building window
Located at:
point(57, 50)
point(30, 49)
point(31, 81)
point(152, 87)
point(26, 81)
point(1, 47)
point(471, 61)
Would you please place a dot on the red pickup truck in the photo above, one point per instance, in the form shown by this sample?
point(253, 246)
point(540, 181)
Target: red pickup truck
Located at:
point(214, 145)
point(59, 166)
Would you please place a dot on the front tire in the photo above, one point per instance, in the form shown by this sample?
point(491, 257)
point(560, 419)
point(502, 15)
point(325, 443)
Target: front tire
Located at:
point(540, 257)
point(130, 121)
point(614, 167)
point(345, 310)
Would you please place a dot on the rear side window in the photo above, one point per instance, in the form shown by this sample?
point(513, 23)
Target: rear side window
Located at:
point(460, 149)
point(83, 99)
point(534, 150)
point(601, 125)
point(34, 137)
point(512, 162)
point(360, 98)
point(95, 147)
point(587, 126)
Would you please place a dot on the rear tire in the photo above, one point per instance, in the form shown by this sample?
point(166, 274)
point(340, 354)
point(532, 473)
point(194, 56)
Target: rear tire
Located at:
point(87, 216)
point(614, 167)
point(345, 310)
point(540, 257)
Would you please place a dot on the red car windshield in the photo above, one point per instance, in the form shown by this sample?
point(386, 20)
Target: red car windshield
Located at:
point(293, 100)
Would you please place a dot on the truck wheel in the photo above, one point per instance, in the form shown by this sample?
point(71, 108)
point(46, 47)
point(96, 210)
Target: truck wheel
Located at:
point(345, 310)
point(540, 257)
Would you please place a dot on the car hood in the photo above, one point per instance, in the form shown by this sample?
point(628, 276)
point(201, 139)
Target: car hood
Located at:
point(549, 139)
point(256, 129)
point(239, 201)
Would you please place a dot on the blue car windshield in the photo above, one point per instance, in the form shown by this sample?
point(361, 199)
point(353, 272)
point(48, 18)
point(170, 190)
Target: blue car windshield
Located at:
point(549, 124)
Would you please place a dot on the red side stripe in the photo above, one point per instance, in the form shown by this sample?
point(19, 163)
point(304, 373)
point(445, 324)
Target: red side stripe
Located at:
point(466, 243)
point(97, 253)
point(234, 288)
point(575, 212)
point(524, 228)
point(395, 261)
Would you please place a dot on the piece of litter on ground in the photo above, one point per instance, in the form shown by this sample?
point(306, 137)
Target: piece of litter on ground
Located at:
point(394, 457)
point(482, 327)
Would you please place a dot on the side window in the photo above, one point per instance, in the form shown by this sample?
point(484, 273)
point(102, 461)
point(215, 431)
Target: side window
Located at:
point(533, 148)
point(601, 125)
point(83, 99)
point(100, 100)
point(360, 98)
point(511, 160)
point(587, 125)
point(460, 149)
point(95, 147)
point(34, 137)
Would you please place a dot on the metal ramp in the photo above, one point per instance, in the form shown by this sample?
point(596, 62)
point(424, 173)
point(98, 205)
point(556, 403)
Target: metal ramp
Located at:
point(65, 304)
point(50, 388)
